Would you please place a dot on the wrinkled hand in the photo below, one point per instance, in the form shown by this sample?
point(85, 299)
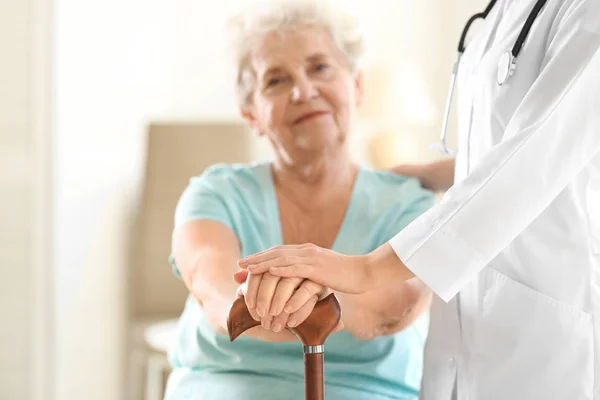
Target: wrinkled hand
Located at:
point(278, 302)
point(347, 274)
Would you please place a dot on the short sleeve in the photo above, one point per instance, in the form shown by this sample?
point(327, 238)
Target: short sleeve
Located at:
point(203, 198)
point(200, 200)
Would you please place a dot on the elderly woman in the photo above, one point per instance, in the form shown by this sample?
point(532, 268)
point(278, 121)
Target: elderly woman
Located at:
point(299, 87)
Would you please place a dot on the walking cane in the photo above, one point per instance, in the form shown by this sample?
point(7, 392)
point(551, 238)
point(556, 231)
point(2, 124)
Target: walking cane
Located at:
point(313, 333)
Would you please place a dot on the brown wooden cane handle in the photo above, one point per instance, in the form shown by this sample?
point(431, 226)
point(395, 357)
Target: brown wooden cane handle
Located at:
point(312, 332)
point(239, 319)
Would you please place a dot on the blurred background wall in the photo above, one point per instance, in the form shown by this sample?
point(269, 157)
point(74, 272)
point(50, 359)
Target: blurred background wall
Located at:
point(80, 81)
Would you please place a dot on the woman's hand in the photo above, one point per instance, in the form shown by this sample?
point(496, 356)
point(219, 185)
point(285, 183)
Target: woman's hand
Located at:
point(278, 302)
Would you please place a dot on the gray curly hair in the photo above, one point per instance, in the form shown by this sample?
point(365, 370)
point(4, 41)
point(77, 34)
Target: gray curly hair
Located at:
point(252, 24)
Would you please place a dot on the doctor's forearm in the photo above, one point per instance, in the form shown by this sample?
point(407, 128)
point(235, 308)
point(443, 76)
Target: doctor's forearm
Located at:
point(383, 268)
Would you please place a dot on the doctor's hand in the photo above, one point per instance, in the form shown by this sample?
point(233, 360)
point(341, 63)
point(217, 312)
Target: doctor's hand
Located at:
point(279, 302)
point(347, 274)
point(339, 272)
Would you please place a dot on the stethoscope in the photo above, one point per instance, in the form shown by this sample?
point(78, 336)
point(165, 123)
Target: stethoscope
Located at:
point(506, 65)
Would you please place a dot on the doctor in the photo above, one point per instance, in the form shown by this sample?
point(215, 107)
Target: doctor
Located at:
point(513, 249)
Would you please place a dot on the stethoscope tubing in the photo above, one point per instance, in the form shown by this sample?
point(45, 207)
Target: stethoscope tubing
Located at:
point(507, 61)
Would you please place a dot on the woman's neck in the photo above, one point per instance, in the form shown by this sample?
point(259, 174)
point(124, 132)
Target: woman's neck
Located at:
point(316, 181)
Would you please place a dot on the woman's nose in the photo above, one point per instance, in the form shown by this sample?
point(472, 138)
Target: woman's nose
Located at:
point(303, 90)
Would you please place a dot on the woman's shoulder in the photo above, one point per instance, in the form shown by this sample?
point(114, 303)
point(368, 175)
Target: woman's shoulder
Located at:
point(232, 172)
point(225, 177)
point(228, 193)
point(386, 202)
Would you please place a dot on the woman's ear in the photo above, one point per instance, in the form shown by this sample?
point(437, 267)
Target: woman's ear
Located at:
point(359, 88)
point(248, 115)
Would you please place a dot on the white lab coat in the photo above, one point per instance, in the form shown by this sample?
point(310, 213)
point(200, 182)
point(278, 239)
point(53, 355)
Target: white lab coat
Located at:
point(519, 233)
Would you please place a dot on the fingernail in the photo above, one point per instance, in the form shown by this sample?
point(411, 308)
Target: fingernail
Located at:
point(266, 324)
point(276, 328)
point(292, 323)
point(273, 312)
point(287, 309)
point(252, 267)
point(260, 312)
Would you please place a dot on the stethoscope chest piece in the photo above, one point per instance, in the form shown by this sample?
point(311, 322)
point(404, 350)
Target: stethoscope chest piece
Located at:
point(506, 67)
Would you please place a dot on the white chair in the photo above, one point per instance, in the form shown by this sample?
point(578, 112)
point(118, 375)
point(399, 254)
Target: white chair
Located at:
point(158, 338)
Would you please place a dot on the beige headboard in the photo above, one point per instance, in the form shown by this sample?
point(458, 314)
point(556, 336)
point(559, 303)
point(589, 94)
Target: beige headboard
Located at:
point(175, 153)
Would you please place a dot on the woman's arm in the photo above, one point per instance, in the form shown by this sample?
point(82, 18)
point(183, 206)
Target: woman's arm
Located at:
point(386, 310)
point(206, 253)
point(437, 176)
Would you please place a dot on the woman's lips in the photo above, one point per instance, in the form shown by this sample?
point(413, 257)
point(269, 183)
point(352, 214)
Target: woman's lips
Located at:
point(309, 116)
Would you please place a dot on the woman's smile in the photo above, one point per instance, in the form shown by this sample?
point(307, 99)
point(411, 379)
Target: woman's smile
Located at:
point(309, 116)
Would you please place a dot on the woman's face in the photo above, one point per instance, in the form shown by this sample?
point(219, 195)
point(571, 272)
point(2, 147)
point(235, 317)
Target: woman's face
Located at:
point(305, 95)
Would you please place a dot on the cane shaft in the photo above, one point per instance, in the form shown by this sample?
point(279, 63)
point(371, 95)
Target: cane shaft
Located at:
point(313, 377)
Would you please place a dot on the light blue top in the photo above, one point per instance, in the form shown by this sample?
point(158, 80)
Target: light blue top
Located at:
point(208, 366)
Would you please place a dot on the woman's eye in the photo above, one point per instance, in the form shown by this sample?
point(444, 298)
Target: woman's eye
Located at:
point(321, 67)
point(273, 82)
